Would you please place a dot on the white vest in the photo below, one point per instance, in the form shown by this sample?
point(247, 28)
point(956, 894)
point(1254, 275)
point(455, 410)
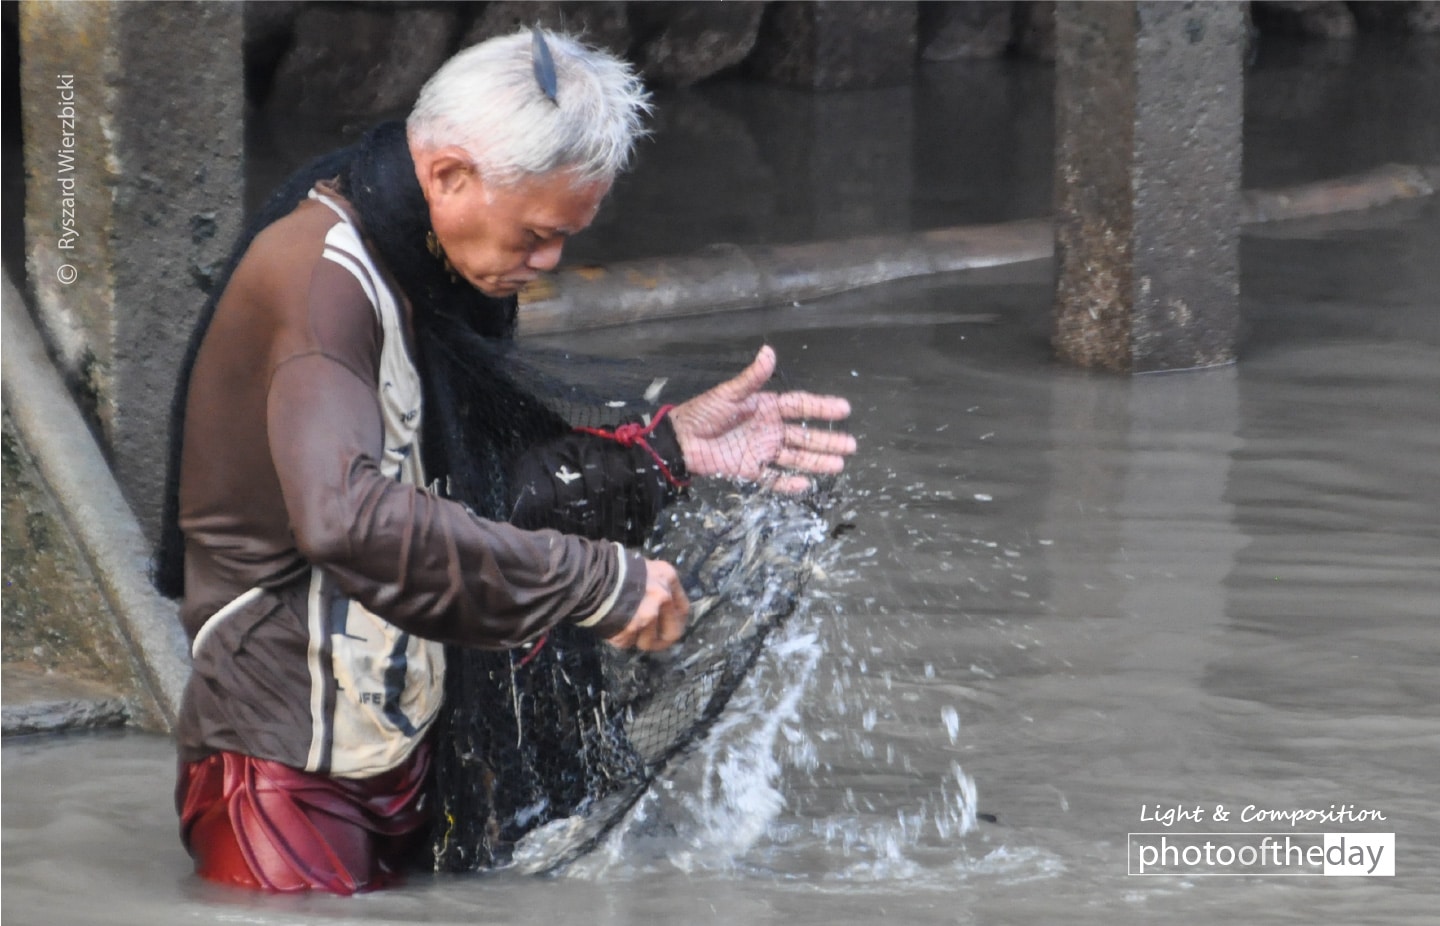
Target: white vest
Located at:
point(385, 684)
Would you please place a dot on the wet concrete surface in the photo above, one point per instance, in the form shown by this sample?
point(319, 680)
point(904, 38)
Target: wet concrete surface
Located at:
point(41, 701)
point(65, 665)
point(76, 560)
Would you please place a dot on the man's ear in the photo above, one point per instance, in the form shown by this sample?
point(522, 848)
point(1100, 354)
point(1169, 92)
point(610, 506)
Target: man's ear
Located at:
point(447, 171)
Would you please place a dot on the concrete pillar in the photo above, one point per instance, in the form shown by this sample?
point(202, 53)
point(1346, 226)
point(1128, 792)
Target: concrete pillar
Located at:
point(833, 45)
point(134, 133)
point(1147, 184)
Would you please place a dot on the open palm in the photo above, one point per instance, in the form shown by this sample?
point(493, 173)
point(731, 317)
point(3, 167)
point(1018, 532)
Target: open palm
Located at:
point(738, 430)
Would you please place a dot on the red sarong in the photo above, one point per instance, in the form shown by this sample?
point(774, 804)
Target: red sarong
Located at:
point(262, 825)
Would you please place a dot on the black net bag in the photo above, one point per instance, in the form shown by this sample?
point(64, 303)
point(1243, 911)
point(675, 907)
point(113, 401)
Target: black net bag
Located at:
point(542, 751)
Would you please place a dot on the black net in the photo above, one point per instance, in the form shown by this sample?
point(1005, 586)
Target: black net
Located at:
point(543, 750)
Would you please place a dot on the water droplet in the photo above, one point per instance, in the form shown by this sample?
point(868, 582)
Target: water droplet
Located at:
point(952, 722)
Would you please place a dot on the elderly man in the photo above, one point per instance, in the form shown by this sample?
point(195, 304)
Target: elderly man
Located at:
point(348, 494)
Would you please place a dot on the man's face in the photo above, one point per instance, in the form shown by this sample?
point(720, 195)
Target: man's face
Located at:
point(501, 237)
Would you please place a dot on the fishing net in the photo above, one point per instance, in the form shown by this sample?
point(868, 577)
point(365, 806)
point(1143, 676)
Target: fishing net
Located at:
point(542, 751)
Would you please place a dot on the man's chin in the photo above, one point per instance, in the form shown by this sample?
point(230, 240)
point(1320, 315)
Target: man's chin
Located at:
point(500, 289)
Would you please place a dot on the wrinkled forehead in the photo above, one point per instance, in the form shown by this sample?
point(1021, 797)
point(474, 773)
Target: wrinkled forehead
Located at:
point(554, 201)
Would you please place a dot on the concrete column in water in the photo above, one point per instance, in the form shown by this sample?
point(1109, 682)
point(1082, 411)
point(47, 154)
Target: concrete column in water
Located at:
point(134, 134)
point(1148, 100)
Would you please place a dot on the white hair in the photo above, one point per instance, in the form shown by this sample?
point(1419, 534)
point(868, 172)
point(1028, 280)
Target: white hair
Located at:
point(487, 100)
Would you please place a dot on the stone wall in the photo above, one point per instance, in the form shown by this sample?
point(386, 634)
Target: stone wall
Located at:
point(297, 59)
point(309, 82)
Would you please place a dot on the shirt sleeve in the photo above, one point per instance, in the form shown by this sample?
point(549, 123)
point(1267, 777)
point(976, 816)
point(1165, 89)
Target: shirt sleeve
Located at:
point(424, 563)
point(596, 487)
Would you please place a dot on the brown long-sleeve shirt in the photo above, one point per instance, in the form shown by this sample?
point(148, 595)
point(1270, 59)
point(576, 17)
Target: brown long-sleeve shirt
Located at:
point(301, 479)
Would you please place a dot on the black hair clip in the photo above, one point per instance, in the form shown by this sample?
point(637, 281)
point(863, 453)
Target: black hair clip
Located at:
point(544, 65)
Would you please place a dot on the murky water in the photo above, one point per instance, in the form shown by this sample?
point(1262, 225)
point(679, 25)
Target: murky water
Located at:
point(1080, 595)
point(1069, 603)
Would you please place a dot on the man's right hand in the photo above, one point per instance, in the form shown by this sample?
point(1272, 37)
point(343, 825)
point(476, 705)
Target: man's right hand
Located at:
point(659, 622)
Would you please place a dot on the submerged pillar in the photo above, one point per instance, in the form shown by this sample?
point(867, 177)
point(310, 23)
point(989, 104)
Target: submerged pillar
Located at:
point(1148, 102)
point(134, 134)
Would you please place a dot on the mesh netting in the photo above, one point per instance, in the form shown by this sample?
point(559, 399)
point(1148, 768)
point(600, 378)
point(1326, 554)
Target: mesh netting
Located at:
point(542, 751)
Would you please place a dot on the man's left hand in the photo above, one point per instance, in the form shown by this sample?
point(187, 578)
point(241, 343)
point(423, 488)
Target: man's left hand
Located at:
point(736, 429)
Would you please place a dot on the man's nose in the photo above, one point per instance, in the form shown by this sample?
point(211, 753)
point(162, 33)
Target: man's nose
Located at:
point(546, 256)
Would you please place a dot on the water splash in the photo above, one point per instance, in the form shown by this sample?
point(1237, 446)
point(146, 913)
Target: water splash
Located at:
point(763, 787)
point(740, 766)
point(712, 808)
point(714, 802)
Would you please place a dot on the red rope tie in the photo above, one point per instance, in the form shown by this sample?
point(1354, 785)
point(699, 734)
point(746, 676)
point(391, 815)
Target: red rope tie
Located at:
point(534, 650)
point(634, 433)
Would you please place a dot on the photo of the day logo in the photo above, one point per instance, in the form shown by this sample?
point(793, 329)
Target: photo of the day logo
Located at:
point(1365, 855)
